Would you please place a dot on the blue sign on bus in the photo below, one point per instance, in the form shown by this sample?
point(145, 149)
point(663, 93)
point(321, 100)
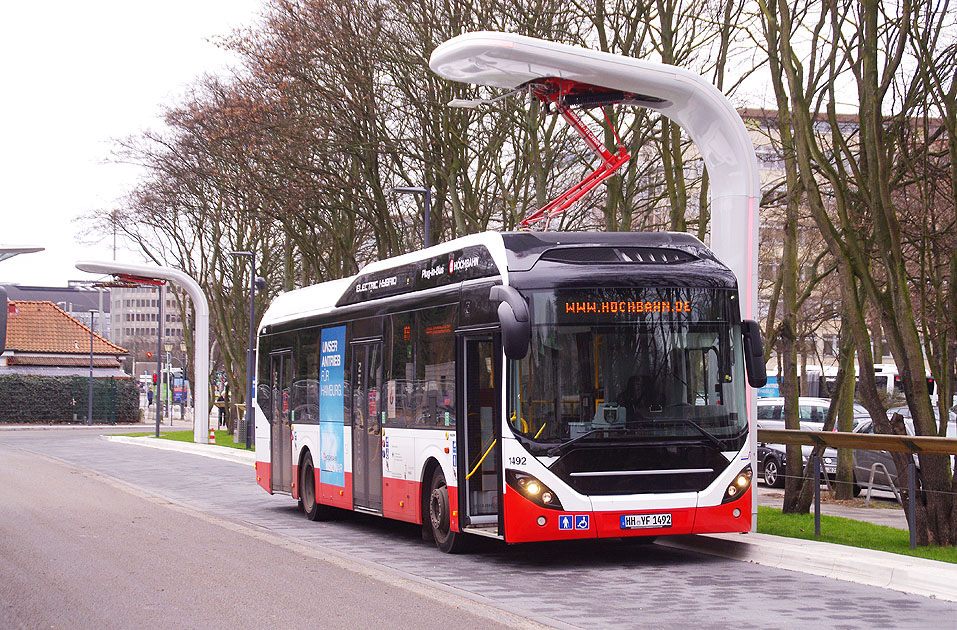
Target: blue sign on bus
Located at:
point(332, 358)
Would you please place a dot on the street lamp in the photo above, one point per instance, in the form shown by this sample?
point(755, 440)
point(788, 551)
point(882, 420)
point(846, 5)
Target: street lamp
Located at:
point(418, 190)
point(249, 434)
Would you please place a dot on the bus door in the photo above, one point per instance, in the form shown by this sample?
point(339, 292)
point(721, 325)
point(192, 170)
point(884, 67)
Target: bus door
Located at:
point(479, 434)
point(367, 426)
point(280, 443)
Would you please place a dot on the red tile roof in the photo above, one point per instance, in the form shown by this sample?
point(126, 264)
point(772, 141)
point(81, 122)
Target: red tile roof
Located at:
point(45, 327)
point(55, 361)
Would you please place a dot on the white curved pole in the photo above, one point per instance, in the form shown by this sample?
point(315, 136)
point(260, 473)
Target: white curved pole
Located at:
point(201, 340)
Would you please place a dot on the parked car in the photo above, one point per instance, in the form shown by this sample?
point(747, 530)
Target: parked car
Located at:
point(810, 409)
point(772, 458)
point(905, 411)
point(864, 460)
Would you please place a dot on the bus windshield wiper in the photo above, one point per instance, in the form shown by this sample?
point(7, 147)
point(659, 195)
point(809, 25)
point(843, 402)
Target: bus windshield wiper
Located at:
point(697, 427)
point(558, 448)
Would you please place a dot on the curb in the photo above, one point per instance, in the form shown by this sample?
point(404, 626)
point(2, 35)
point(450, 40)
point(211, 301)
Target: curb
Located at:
point(907, 574)
point(206, 450)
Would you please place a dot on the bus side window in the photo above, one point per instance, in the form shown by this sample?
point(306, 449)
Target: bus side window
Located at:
point(435, 365)
point(400, 371)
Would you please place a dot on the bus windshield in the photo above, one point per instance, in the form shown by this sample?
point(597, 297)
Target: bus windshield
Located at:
point(608, 364)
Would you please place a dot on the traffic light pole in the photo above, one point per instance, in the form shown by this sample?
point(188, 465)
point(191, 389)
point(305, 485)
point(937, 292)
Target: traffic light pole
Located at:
point(159, 361)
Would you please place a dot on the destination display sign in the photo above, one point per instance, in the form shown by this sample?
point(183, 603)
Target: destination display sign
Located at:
point(468, 263)
point(600, 305)
point(625, 307)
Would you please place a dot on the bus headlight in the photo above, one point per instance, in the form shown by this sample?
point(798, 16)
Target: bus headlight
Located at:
point(739, 486)
point(533, 489)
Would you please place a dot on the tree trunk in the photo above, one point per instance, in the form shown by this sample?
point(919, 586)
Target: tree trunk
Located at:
point(844, 399)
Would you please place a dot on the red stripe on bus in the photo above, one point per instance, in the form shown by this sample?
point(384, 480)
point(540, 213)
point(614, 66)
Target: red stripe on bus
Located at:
point(454, 508)
point(521, 522)
point(264, 476)
point(337, 496)
point(720, 518)
point(400, 500)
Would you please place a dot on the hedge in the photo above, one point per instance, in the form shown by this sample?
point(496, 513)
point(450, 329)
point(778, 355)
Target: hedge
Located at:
point(56, 399)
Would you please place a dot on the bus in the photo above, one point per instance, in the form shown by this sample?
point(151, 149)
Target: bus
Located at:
point(523, 386)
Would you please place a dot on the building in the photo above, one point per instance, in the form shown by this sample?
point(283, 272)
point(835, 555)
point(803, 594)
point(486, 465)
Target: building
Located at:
point(127, 317)
point(77, 299)
point(44, 340)
point(135, 314)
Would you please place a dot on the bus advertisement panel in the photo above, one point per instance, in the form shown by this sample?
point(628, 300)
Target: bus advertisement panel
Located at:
point(331, 405)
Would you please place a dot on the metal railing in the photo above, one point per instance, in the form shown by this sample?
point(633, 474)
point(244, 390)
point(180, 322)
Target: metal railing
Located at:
point(864, 441)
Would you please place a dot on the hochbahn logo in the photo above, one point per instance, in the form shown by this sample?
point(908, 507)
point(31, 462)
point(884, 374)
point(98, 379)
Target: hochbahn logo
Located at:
point(463, 263)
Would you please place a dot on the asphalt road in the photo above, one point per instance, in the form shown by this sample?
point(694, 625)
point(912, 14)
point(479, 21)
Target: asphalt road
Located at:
point(130, 536)
point(78, 550)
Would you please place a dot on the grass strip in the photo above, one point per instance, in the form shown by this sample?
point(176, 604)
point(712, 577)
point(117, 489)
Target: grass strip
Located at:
point(847, 531)
point(223, 438)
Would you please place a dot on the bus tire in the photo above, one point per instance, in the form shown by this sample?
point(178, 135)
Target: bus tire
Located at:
point(440, 516)
point(307, 491)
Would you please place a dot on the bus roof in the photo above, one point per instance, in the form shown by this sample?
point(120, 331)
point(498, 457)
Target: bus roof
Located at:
point(485, 255)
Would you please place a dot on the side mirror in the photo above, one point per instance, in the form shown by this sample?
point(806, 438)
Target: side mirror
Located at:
point(513, 315)
point(754, 354)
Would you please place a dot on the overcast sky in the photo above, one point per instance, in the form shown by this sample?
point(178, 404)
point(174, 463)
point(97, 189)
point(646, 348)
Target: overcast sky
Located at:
point(77, 75)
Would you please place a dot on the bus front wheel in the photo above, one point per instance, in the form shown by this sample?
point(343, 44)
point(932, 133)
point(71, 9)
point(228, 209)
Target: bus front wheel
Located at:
point(440, 516)
point(307, 491)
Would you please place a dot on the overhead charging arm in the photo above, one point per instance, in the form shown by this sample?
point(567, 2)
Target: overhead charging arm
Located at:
point(556, 92)
point(564, 94)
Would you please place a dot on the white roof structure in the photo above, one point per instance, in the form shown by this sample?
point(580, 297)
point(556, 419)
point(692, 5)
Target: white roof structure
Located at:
point(9, 252)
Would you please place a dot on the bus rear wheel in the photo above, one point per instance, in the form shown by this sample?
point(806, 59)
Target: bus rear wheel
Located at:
point(307, 491)
point(440, 516)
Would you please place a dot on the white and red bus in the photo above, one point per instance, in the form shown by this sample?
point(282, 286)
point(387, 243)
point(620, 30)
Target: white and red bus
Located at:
point(525, 386)
point(533, 386)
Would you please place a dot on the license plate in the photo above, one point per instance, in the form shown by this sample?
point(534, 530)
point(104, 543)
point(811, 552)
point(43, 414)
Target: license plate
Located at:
point(642, 521)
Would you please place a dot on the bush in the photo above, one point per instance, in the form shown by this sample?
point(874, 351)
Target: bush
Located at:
point(53, 399)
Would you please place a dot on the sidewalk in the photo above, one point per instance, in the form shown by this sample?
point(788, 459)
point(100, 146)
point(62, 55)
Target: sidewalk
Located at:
point(227, 453)
point(851, 564)
point(129, 427)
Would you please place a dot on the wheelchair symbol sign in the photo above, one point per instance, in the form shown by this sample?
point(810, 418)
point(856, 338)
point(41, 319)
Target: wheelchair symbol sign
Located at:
point(581, 521)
